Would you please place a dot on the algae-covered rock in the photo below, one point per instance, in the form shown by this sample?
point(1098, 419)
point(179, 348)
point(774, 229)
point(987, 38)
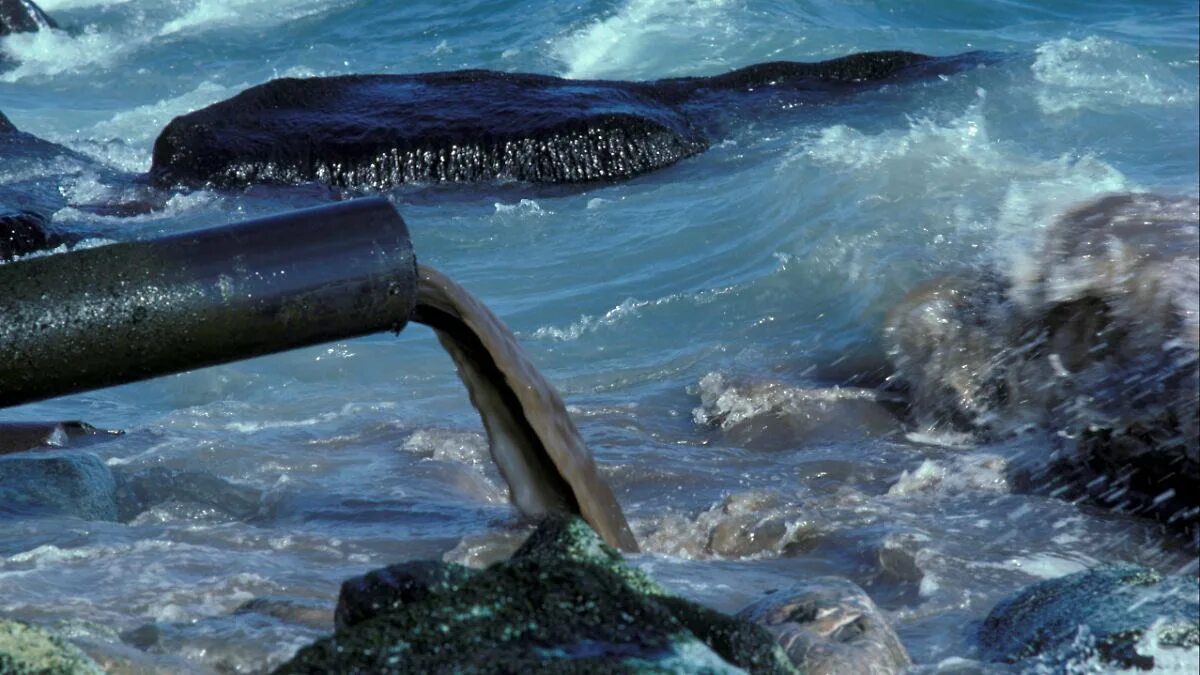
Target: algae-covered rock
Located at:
point(828, 626)
point(1116, 606)
point(29, 650)
point(565, 602)
point(67, 484)
point(391, 588)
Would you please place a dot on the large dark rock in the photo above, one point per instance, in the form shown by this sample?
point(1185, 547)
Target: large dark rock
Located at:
point(828, 626)
point(1100, 344)
point(22, 16)
point(379, 131)
point(565, 602)
point(1114, 607)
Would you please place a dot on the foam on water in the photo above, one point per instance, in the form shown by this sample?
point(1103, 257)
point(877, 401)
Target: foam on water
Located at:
point(202, 15)
point(136, 128)
point(44, 54)
point(1103, 74)
point(973, 473)
point(57, 5)
point(1006, 196)
point(648, 38)
point(112, 41)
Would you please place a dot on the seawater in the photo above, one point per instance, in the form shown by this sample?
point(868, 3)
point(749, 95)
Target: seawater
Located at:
point(702, 322)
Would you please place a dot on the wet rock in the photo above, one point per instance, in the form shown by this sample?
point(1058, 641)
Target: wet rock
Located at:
point(766, 414)
point(379, 131)
point(76, 484)
point(756, 523)
point(376, 131)
point(22, 16)
point(1114, 607)
point(1099, 343)
point(199, 492)
point(29, 650)
point(302, 611)
point(564, 602)
point(20, 436)
point(829, 625)
point(23, 232)
point(393, 587)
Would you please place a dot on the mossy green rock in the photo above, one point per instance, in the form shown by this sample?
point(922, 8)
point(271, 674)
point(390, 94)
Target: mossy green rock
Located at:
point(391, 588)
point(29, 650)
point(565, 602)
point(1117, 605)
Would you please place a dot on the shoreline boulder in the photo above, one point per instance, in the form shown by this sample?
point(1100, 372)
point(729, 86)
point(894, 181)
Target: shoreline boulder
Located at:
point(565, 602)
point(381, 131)
point(1100, 345)
point(1113, 607)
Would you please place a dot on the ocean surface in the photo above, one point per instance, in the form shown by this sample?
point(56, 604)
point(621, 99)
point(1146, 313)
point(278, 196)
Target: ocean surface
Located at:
point(702, 322)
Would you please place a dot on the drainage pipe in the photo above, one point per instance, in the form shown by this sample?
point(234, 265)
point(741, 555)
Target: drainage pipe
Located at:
point(131, 311)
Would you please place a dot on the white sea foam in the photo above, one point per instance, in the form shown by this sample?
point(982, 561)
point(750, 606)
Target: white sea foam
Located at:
point(627, 309)
point(525, 207)
point(727, 403)
point(1097, 73)
point(449, 445)
point(646, 38)
point(588, 323)
point(932, 159)
point(50, 53)
point(47, 53)
point(135, 129)
point(209, 14)
point(59, 5)
point(969, 473)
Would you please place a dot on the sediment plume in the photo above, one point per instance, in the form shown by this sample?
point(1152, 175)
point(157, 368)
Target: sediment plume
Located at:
point(535, 444)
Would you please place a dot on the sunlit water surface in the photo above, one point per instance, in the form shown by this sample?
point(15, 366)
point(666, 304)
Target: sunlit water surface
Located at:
point(697, 320)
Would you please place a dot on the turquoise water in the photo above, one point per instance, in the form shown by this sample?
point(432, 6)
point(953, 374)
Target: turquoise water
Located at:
point(695, 319)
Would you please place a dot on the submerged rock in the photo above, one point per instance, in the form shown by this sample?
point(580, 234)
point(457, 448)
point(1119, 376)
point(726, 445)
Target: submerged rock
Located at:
point(302, 611)
point(1101, 343)
point(829, 626)
point(22, 16)
point(198, 492)
point(755, 523)
point(768, 414)
point(76, 484)
point(565, 602)
point(28, 650)
point(379, 131)
point(1114, 607)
